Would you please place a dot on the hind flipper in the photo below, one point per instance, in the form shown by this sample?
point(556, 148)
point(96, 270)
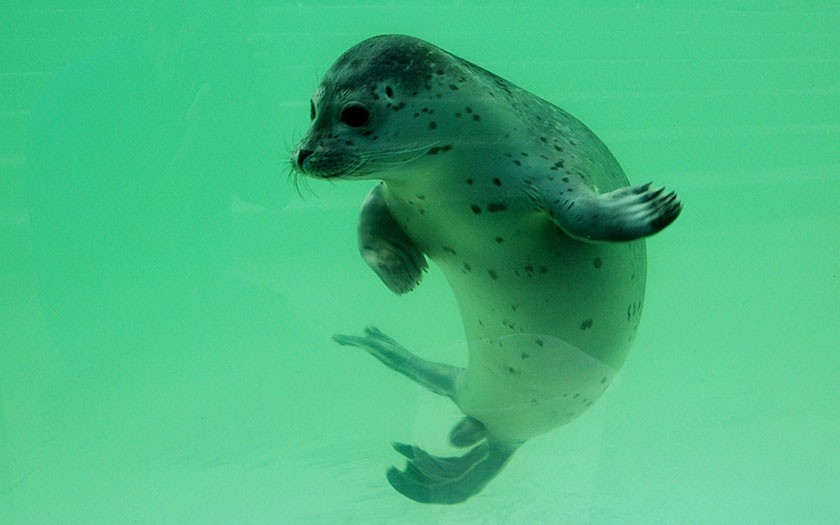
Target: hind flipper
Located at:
point(437, 377)
point(467, 432)
point(432, 479)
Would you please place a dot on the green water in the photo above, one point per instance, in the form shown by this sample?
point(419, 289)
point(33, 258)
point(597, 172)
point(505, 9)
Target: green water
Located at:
point(167, 297)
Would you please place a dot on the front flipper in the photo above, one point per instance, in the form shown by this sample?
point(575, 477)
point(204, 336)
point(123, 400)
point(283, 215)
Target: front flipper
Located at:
point(437, 377)
point(386, 248)
point(624, 214)
point(432, 479)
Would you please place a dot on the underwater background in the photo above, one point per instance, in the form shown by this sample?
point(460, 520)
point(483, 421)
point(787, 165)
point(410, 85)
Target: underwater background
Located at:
point(168, 291)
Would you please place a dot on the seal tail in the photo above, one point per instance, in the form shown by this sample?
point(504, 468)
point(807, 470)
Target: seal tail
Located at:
point(432, 479)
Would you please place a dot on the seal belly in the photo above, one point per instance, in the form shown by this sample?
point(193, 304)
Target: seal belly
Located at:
point(523, 385)
point(549, 321)
point(589, 295)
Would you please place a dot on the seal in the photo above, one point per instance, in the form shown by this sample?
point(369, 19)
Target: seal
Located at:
point(527, 214)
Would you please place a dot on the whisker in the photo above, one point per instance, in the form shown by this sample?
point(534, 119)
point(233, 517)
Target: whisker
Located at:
point(384, 153)
point(390, 158)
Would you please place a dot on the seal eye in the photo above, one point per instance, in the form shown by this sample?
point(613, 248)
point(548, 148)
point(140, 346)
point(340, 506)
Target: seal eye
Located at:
point(311, 110)
point(355, 116)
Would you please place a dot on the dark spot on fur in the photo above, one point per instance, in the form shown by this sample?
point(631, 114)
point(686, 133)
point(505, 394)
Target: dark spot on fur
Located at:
point(467, 268)
point(469, 181)
point(497, 181)
point(603, 380)
point(597, 262)
point(453, 87)
point(447, 249)
point(586, 325)
point(517, 162)
point(524, 356)
point(389, 91)
point(633, 309)
point(500, 240)
point(476, 117)
point(475, 208)
point(539, 342)
point(493, 274)
point(494, 207)
point(433, 125)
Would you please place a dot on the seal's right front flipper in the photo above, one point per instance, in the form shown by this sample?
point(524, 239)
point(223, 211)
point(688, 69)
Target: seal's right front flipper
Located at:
point(624, 214)
point(386, 248)
point(433, 479)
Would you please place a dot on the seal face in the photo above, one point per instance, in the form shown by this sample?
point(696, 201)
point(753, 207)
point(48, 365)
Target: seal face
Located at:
point(527, 214)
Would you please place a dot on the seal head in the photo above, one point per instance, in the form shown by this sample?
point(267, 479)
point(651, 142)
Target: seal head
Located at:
point(376, 104)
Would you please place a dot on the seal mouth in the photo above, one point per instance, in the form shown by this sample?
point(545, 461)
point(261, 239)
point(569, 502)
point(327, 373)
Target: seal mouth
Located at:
point(306, 162)
point(358, 165)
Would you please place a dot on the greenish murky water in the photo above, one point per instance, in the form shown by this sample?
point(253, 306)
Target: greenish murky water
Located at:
point(167, 296)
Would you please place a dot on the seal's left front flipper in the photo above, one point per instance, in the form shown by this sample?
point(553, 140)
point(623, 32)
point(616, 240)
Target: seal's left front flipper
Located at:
point(432, 479)
point(624, 214)
point(386, 247)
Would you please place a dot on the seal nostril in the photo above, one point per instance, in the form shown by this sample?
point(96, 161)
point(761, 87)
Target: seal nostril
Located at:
point(302, 154)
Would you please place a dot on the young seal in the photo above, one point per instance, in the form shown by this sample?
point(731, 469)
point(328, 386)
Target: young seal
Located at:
point(527, 214)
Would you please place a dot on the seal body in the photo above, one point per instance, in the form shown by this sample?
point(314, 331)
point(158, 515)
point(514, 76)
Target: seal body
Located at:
point(527, 214)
